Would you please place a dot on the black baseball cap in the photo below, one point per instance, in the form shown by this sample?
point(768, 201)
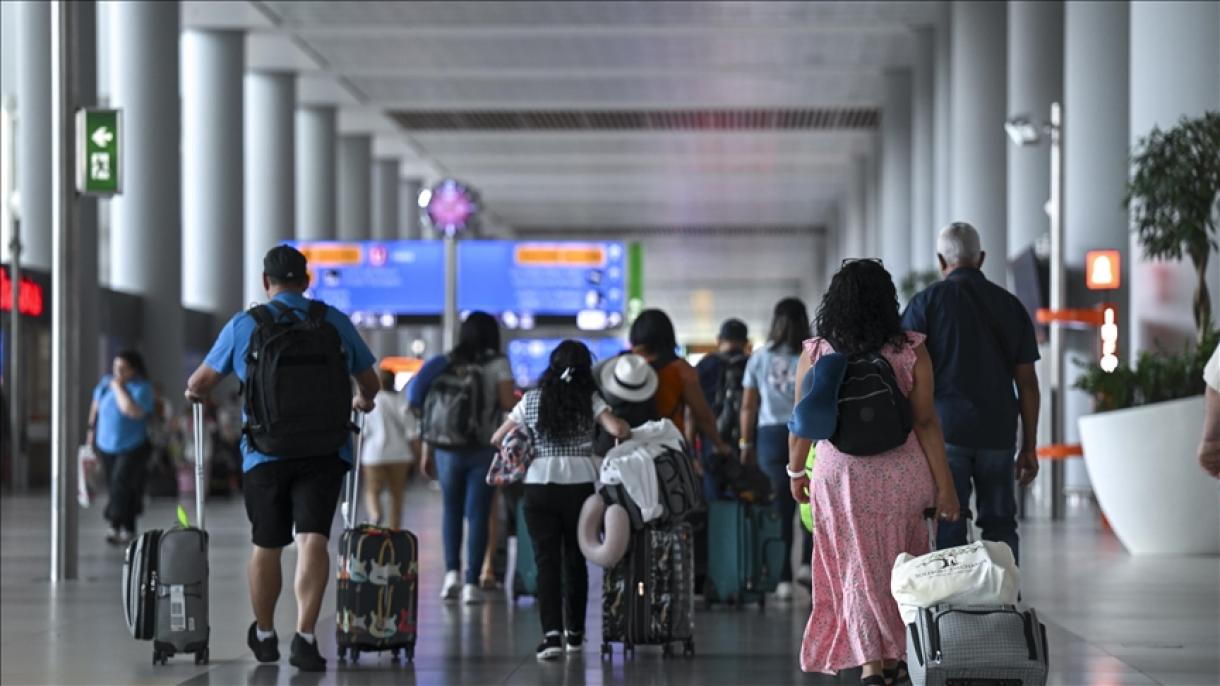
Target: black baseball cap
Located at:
point(734, 330)
point(286, 263)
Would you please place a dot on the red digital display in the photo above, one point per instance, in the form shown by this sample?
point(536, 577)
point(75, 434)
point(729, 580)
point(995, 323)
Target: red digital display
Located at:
point(29, 296)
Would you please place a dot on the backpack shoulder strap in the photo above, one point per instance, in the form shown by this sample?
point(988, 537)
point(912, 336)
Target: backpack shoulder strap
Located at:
point(262, 315)
point(317, 311)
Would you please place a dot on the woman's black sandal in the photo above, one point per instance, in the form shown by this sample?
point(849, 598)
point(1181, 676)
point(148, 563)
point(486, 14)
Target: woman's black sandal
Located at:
point(898, 675)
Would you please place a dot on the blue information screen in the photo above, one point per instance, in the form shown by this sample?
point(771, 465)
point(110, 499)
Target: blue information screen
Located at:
point(376, 281)
point(529, 357)
point(378, 278)
point(543, 279)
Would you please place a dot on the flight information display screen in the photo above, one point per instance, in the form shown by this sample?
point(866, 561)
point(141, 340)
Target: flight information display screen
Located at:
point(529, 357)
point(375, 279)
point(521, 282)
point(520, 279)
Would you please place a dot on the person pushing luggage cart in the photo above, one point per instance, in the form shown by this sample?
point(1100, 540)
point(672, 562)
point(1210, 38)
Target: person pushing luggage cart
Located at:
point(294, 358)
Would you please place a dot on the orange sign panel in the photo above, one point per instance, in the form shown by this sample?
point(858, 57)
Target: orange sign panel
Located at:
point(561, 256)
point(332, 254)
point(1102, 270)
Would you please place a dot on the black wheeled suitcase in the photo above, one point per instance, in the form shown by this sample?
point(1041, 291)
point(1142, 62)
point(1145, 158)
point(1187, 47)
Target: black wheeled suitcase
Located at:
point(377, 591)
point(165, 580)
point(648, 598)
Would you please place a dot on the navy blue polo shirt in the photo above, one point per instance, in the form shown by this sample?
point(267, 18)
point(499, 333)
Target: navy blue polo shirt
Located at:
point(975, 395)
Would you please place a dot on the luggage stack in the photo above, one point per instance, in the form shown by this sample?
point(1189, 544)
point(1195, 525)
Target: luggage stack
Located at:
point(958, 633)
point(165, 580)
point(648, 597)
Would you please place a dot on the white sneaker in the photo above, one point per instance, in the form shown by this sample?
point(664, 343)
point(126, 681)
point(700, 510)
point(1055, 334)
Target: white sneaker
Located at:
point(472, 595)
point(451, 586)
point(804, 575)
point(783, 591)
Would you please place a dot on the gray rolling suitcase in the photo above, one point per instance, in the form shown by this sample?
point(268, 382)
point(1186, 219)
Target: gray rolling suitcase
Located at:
point(165, 579)
point(976, 645)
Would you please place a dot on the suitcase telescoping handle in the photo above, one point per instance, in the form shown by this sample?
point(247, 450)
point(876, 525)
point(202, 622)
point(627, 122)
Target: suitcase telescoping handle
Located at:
point(930, 515)
point(197, 427)
point(352, 484)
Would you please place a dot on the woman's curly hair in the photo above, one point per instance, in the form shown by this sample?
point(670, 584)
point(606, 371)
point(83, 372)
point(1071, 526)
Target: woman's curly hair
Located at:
point(565, 407)
point(859, 312)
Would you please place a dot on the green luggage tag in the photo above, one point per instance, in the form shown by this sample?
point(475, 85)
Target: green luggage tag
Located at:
point(806, 509)
point(182, 517)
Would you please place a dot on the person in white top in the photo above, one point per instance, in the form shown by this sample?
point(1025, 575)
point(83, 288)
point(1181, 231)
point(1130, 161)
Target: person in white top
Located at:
point(391, 449)
point(560, 415)
point(1209, 444)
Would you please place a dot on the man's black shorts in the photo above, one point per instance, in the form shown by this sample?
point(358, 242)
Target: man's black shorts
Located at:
point(302, 491)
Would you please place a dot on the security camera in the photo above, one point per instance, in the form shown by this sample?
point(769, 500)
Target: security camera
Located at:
point(1022, 131)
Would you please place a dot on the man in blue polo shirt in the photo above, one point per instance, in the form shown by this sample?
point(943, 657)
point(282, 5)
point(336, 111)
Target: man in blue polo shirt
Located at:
point(982, 344)
point(288, 499)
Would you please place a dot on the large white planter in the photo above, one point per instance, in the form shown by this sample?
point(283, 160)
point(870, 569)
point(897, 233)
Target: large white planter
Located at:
point(1142, 463)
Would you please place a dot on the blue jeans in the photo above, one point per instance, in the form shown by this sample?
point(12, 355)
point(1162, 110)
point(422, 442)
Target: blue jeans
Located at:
point(993, 474)
point(772, 451)
point(463, 477)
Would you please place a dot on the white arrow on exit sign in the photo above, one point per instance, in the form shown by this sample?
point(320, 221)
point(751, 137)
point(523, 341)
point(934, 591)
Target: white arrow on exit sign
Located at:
point(102, 137)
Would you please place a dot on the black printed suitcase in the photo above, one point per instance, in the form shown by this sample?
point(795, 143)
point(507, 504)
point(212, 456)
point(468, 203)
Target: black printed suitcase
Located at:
point(377, 588)
point(648, 597)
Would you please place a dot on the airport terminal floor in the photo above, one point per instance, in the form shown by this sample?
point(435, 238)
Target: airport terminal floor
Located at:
point(1112, 619)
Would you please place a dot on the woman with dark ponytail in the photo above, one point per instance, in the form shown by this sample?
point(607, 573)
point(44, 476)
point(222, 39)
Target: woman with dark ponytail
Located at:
point(561, 414)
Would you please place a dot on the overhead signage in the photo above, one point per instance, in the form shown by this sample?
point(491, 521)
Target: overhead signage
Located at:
point(98, 157)
point(529, 357)
point(524, 283)
point(1102, 270)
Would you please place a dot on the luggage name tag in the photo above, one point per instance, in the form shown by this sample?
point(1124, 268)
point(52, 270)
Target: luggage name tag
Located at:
point(177, 607)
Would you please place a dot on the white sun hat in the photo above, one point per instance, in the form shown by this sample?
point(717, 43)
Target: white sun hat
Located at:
point(629, 377)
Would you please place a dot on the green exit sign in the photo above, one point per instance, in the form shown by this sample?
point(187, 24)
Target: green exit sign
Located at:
point(98, 160)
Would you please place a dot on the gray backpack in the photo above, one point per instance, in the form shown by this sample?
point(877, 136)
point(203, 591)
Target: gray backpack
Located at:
point(457, 410)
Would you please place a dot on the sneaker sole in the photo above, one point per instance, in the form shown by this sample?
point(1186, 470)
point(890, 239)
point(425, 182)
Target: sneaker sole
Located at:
point(575, 649)
point(551, 654)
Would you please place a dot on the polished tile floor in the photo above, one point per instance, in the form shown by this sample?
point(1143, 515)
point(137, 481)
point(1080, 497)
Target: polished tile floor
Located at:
point(1112, 619)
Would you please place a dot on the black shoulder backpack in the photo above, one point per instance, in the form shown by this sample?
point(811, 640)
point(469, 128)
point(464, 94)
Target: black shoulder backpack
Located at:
point(730, 391)
point(874, 415)
point(297, 393)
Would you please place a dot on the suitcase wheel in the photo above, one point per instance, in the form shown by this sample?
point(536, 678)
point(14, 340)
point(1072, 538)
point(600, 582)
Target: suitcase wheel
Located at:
point(410, 652)
point(160, 657)
point(688, 648)
point(628, 651)
point(668, 650)
point(607, 651)
point(762, 602)
point(355, 654)
point(201, 657)
point(342, 653)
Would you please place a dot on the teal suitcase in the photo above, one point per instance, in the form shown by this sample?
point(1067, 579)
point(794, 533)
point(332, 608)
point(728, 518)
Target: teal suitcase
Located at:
point(525, 576)
point(746, 553)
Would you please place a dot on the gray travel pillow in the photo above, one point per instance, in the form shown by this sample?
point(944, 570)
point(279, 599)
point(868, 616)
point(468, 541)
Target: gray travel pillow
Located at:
point(604, 550)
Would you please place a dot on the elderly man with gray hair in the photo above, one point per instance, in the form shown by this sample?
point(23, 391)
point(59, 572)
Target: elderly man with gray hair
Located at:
point(982, 344)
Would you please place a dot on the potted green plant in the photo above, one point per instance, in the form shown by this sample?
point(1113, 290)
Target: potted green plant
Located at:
point(1139, 444)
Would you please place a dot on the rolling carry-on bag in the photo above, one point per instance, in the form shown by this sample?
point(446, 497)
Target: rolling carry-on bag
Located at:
point(974, 644)
point(648, 597)
point(377, 587)
point(746, 553)
point(165, 579)
point(525, 567)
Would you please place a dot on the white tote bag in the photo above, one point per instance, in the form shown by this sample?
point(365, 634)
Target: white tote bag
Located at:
point(979, 573)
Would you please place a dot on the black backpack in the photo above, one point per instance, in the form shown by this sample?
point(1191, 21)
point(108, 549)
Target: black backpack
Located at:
point(298, 393)
point(874, 415)
point(729, 395)
point(457, 412)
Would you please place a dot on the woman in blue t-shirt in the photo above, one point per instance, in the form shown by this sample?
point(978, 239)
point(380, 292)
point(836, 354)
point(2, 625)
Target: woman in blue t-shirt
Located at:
point(118, 432)
point(770, 387)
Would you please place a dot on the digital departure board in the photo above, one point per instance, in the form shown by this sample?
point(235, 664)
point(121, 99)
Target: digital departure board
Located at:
point(520, 282)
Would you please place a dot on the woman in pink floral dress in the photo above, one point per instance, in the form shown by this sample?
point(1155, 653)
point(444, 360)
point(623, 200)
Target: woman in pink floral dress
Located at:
point(868, 509)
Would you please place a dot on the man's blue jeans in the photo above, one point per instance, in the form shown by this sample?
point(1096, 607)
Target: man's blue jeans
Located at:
point(463, 477)
point(992, 473)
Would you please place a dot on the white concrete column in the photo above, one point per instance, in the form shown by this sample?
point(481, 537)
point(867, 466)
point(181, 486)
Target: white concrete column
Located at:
point(34, 132)
point(315, 173)
point(409, 228)
point(146, 235)
point(978, 164)
point(355, 154)
point(213, 63)
point(854, 242)
point(270, 100)
point(895, 245)
point(872, 202)
point(1175, 72)
point(923, 168)
point(1035, 80)
point(386, 204)
point(1095, 132)
point(942, 147)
